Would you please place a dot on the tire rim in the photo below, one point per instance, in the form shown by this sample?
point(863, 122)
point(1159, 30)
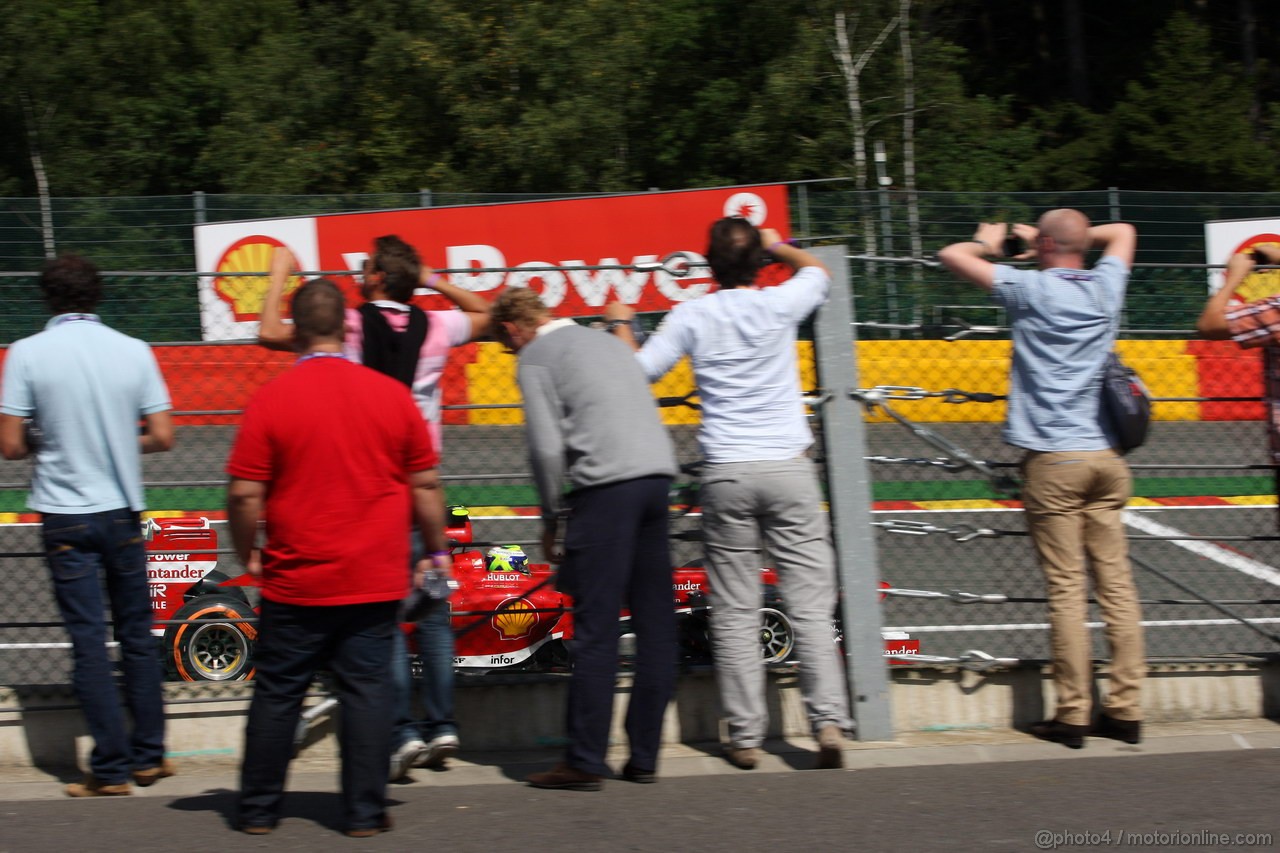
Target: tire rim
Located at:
point(777, 639)
point(217, 652)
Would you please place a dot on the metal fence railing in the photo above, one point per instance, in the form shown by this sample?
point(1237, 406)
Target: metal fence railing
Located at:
point(949, 536)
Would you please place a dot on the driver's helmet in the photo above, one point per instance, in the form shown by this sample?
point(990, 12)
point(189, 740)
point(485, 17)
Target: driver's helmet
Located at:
point(507, 558)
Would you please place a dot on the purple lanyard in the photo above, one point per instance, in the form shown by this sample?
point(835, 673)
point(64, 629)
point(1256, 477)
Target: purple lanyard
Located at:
point(74, 318)
point(312, 355)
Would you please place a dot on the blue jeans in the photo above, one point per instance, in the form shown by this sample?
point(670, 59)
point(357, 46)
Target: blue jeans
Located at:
point(616, 555)
point(353, 641)
point(434, 636)
point(83, 551)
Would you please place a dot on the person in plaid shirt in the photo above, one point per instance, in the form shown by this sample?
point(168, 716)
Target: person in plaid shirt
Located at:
point(1253, 324)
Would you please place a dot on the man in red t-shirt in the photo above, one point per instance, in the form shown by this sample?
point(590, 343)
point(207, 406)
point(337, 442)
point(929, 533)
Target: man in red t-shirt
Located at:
point(336, 459)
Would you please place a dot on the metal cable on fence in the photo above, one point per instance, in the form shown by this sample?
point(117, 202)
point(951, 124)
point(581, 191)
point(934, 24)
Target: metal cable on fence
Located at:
point(957, 597)
point(968, 533)
point(974, 660)
point(879, 396)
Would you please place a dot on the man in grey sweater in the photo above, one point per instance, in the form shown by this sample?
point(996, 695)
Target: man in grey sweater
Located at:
point(591, 419)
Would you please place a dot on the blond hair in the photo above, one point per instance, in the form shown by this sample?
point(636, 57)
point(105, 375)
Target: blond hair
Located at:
point(519, 305)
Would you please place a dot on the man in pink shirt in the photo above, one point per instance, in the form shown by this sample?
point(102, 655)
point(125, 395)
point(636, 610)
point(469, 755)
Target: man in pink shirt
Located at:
point(412, 346)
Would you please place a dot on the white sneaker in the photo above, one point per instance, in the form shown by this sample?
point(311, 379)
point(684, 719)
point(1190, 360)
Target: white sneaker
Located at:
point(437, 751)
point(406, 756)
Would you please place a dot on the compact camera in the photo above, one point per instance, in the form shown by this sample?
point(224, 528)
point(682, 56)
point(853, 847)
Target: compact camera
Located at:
point(1013, 246)
point(433, 591)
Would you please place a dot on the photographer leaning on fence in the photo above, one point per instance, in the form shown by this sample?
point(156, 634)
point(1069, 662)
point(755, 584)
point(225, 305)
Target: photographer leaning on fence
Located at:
point(1075, 484)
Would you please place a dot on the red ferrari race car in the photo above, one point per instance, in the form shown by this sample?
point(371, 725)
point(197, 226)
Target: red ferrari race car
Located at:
point(506, 612)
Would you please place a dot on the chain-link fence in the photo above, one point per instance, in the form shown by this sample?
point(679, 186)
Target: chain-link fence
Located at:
point(950, 536)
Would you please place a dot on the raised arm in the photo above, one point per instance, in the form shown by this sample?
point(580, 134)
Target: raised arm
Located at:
point(968, 259)
point(1213, 319)
point(1116, 240)
point(792, 256)
point(273, 332)
point(475, 306)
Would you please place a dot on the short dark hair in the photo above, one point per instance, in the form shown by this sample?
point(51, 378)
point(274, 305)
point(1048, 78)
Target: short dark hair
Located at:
point(399, 264)
point(319, 310)
point(734, 251)
point(71, 283)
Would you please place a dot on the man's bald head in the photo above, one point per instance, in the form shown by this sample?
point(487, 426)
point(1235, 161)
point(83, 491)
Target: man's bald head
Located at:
point(1067, 228)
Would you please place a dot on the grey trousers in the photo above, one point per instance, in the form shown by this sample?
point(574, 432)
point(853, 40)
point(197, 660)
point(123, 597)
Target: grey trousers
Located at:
point(741, 501)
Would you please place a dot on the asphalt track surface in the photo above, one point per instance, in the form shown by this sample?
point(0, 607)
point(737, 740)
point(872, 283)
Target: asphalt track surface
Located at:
point(1195, 786)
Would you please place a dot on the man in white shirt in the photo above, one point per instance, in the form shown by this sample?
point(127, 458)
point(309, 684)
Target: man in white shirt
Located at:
point(742, 341)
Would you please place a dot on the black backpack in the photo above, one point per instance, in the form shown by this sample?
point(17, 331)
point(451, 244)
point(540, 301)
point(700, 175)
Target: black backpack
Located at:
point(1125, 403)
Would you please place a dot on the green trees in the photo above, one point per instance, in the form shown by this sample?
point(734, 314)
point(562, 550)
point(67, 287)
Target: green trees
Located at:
point(114, 97)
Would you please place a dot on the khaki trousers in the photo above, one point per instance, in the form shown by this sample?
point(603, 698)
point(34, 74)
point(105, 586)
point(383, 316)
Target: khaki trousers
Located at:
point(1073, 502)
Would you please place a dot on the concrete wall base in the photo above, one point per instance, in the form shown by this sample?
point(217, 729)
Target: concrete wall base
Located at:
point(42, 727)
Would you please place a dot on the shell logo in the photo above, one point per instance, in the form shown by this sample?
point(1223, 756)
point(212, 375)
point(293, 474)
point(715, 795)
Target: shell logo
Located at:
point(749, 206)
point(244, 293)
point(515, 619)
point(1258, 284)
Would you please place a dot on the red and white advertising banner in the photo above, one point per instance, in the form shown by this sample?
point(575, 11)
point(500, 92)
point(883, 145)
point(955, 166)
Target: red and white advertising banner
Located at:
point(1228, 237)
point(615, 230)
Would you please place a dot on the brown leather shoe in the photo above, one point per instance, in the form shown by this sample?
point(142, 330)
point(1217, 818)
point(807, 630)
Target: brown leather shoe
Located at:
point(743, 757)
point(92, 786)
point(1066, 734)
point(383, 825)
point(148, 776)
point(1129, 731)
point(564, 777)
point(830, 747)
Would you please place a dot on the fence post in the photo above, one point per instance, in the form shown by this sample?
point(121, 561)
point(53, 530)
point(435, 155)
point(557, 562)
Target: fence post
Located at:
point(424, 197)
point(802, 191)
point(1113, 198)
point(198, 203)
point(849, 494)
point(883, 182)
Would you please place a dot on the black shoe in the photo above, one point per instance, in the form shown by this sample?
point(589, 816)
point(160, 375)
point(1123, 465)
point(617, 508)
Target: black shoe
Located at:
point(1064, 733)
point(642, 777)
point(1129, 731)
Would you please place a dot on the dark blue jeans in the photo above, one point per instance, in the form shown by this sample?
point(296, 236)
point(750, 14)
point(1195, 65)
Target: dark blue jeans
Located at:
point(434, 637)
point(353, 642)
point(616, 556)
point(83, 551)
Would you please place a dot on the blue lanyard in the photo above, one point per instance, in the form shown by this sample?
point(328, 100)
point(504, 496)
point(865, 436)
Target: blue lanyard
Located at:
point(312, 355)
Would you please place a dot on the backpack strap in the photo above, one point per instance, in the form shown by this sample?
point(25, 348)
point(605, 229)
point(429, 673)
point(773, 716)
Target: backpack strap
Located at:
point(388, 351)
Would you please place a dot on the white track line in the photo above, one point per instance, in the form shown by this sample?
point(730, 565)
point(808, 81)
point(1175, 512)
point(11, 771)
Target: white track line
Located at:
point(1208, 550)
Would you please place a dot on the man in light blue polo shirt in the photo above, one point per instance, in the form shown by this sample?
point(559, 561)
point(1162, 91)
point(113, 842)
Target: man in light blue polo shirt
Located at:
point(1075, 485)
point(85, 387)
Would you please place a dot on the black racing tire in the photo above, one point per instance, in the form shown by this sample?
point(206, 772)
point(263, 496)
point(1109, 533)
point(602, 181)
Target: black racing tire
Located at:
point(209, 650)
point(777, 636)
